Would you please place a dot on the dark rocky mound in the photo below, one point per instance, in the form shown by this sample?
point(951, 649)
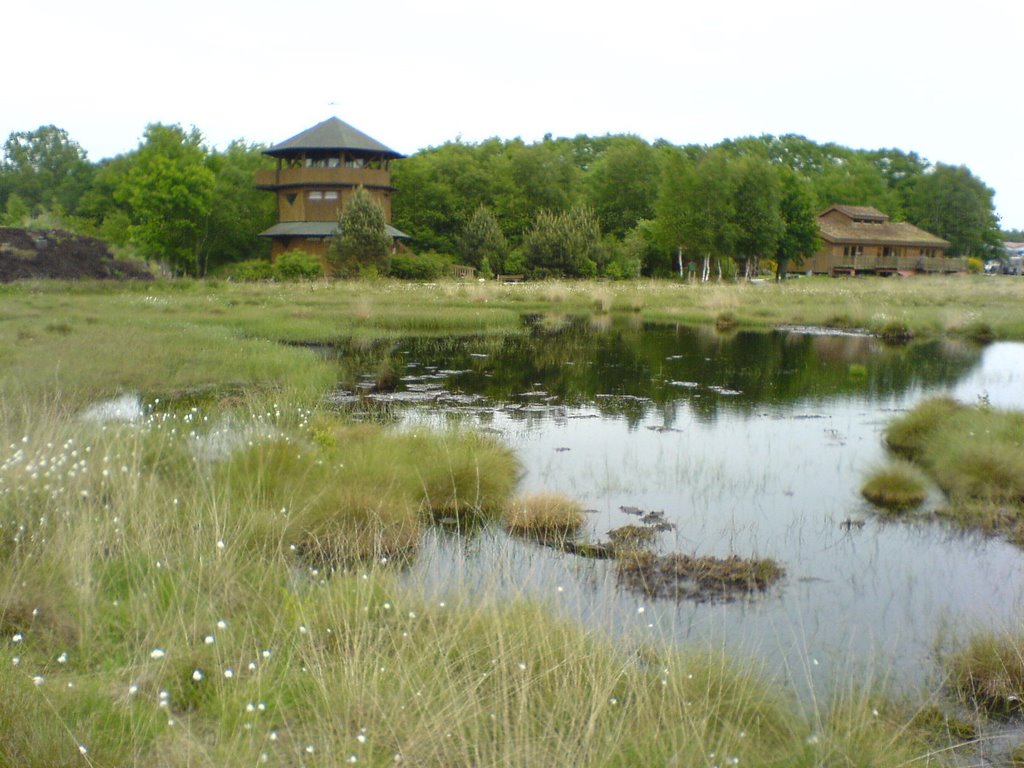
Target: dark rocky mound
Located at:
point(31, 255)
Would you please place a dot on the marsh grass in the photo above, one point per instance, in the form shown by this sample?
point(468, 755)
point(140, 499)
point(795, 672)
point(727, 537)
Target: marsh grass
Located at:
point(973, 454)
point(153, 612)
point(910, 434)
point(896, 332)
point(214, 581)
point(544, 516)
point(897, 487)
point(988, 672)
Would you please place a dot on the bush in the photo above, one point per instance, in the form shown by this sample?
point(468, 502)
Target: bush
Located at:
point(251, 271)
point(975, 265)
point(423, 266)
point(515, 264)
point(297, 265)
point(622, 267)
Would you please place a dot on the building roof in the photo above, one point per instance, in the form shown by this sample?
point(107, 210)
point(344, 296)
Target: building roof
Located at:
point(331, 134)
point(862, 212)
point(882, 233)
point(314, 229)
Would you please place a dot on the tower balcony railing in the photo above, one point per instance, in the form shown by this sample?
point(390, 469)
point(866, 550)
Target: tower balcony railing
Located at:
point(322, 177)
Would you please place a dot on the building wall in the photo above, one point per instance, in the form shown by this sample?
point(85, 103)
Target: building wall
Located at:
point(324, 203)
point(872, 257)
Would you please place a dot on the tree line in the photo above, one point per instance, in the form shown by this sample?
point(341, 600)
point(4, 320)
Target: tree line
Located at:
point(615, 206)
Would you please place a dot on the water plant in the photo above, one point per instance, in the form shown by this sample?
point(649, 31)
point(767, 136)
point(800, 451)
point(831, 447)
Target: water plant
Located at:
point(632, 536)
point(703, 577)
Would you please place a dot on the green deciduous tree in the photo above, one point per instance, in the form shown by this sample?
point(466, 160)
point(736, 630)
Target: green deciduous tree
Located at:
point(696, 209)
point(564, 244)
point(46, 169)
point(169, 192)
point(622, 184)
point(954, 204)
point(240, 211)
point(800, 232)
point(483, 245)
point(757, 218)
point(855, 180)
point(362, 243)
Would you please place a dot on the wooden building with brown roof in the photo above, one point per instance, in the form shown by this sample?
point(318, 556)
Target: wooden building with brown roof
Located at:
point(317, 172)
point(859, 239)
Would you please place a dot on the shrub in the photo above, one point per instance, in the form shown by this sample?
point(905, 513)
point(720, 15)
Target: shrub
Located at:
point(422, 266)
point(975, 265)
point(483, 245)
point(515, 264)
point(362, 240)
point(297, 265)
point(251, 271)
point(622, 267)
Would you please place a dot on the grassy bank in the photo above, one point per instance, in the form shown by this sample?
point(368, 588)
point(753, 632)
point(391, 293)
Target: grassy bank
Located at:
point(80, 342)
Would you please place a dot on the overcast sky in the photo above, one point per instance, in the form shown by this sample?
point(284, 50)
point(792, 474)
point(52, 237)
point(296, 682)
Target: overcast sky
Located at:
point(940, 78)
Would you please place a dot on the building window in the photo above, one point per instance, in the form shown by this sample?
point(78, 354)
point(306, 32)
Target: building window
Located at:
point(316, 194)
point(331, 194)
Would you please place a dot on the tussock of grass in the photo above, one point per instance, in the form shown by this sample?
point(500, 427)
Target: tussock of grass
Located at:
point(988, 672)
point(973, 454)
point(909, 434)
point(544, 516)
point(897, 487)
point(896, 332)
point(725, 321)
point(363, 491)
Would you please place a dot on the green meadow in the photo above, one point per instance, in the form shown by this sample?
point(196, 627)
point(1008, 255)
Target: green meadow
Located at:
point(212, 578)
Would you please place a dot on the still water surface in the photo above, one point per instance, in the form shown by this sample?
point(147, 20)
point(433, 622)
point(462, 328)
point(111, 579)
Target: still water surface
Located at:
point(751, 443)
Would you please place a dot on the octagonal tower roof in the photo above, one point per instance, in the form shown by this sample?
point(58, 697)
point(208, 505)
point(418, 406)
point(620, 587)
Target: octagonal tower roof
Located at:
point(332, 134)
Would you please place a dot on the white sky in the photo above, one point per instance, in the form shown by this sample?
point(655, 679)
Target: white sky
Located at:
point(940, 78)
